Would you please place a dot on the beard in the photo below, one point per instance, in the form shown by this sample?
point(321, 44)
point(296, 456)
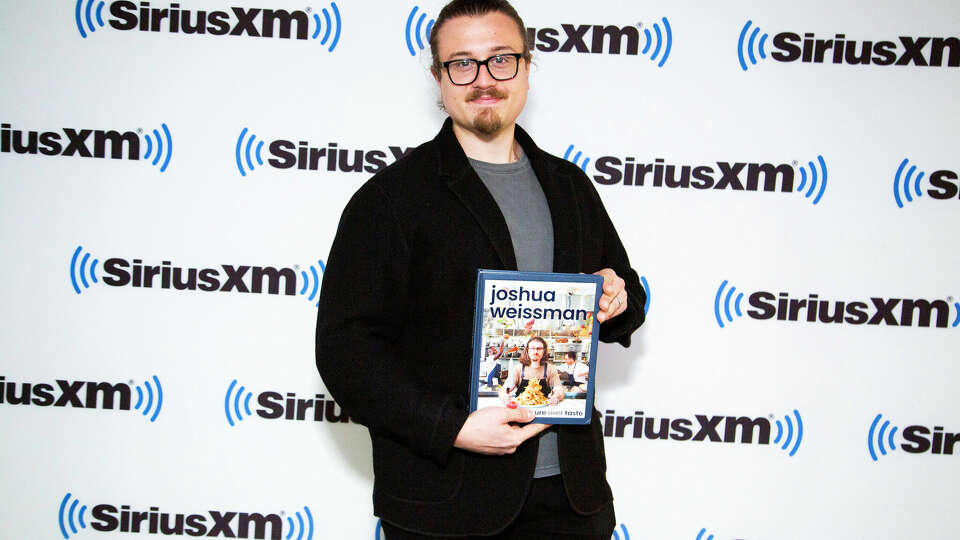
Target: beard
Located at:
point(487, 121)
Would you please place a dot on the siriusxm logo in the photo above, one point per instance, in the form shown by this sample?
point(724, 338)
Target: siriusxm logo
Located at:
point(738, 176)
point(86, 395)
point(119, 272)
point(286, 154)
point(919, 439)
point(212, 523)
point(157, 146)
point(906, 184)
point(610, 39)
point(878, 311)
point(708, 428)
point(173, 19)
point(276, 406)
point(790, 47)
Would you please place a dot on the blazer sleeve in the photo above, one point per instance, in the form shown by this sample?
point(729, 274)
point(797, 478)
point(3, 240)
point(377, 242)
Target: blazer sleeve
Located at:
point(360, 328)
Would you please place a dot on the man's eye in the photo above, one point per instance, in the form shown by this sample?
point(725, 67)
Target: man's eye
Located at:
point(461, 64)
point(499, 59)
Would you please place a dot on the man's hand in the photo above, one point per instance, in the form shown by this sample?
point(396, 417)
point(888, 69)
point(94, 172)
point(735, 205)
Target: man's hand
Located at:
point(488, 430)
point(614, 299)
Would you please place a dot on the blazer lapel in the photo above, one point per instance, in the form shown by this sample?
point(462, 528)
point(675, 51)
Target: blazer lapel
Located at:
point(467, 186)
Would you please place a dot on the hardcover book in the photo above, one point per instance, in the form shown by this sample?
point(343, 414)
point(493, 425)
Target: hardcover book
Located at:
point(535, 343)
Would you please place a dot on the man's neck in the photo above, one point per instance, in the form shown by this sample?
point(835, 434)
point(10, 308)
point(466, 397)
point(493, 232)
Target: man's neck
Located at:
point(497, 148)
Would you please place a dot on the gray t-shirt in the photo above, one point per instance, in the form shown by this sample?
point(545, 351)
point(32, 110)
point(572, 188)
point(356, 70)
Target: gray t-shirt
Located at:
point(515, 188)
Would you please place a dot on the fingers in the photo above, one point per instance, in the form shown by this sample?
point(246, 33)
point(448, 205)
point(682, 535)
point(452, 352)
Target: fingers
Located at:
point(530, 430)
point(614, 299)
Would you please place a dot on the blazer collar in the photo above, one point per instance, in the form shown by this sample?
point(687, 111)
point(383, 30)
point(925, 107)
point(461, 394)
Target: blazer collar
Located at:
point(455, 170)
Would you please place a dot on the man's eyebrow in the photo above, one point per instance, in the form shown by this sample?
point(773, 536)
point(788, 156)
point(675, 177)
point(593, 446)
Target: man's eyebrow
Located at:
point(492, 51)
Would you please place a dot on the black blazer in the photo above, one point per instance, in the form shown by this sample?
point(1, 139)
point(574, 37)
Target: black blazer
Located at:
point(395, 322)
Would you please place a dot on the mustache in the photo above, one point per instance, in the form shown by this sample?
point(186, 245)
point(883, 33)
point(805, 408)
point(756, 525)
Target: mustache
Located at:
point(489, 92)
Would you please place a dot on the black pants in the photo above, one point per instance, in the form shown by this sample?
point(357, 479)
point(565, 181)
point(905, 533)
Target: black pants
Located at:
point(546, 515)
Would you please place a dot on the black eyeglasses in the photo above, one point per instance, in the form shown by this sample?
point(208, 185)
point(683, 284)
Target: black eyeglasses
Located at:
point(501, 67)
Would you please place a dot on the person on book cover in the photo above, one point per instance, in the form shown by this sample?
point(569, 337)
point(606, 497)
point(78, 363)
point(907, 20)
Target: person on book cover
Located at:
point(573, 374)
point(394, 339)
point(533, 366)
point(491, 364)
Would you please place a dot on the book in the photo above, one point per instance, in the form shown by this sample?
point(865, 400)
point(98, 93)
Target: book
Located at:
point(535, 343)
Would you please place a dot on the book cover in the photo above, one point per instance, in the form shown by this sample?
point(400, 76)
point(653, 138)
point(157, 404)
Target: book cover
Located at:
point(535, 343)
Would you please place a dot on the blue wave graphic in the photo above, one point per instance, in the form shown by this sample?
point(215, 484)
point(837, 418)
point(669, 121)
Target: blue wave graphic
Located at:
point(303, 528)
point(663, 41)
point(750, 48)
point(700, 535)
point(149, 406)
point(646, 289)
point(65, 516)
point(412, 32)
point(155, 139)
point(576, 159)
point(617, 536)
point(956, 321)
point(726, 301)
point(376, 531)
point(880, 440)
point(902, 183)
point(82, 271)
point(234, 399)
point(312, 280)
point(329, 25)
point(818, 179)
point(245, 152)
point(84, 16)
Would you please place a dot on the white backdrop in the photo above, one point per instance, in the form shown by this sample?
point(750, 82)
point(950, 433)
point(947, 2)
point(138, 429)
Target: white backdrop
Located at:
point(201, 379)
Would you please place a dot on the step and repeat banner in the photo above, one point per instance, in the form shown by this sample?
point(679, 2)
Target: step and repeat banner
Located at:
point(784, 176)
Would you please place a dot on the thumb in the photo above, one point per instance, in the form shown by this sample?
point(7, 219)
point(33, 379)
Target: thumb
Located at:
point(519, 415)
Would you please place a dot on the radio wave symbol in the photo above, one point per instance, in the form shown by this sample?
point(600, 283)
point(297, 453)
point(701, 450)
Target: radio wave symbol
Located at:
point(302, 530)
point(245, 152)
point(147, 388)
point(702, 533)
point(233, 398)
point(881, 436)
point(662, 40)
point(312, 280)
point(84, 14)
point(421, 32)
point(815, 179)
point(747, 46)
point(576, 158)
point(66, 515)
point(646, 289)
point(902, 182)
point(616, 535)
point(82, 271)
point(956, 320)
point(725, 300)
point(328, 26)
point(790, 433)
point(157, 140)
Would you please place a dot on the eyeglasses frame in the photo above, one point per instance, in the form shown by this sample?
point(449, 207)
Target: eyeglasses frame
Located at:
point(478, 63)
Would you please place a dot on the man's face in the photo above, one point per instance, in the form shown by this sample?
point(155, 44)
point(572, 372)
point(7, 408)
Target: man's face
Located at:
point(535, 351)
point(486, 106)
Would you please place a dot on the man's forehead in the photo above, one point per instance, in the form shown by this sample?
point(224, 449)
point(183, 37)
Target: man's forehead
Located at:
point(491, 33)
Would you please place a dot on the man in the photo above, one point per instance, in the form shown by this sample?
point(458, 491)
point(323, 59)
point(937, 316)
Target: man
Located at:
point(573, 374)
point(394, 328)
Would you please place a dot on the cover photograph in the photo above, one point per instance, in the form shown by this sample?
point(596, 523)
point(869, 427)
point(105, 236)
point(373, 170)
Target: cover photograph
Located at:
point(534, 343)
